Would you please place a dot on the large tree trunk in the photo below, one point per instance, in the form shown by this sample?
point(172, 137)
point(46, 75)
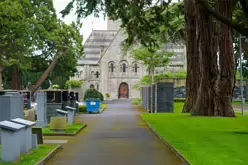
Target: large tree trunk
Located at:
point(46, 73)
point(208, 63)
point(16, 78)
point(1, 76)
point(226, 79)
point(192, 40)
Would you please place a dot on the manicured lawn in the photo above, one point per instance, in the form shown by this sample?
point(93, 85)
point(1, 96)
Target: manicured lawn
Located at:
point(70, 129)
point(34, 157)
point(136, 101)
point(204, 140)
point(103, 107)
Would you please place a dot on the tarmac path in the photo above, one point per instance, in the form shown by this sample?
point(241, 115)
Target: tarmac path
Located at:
point(118, 136)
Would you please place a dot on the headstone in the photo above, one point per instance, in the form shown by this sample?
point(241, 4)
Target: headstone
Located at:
point(11, 106)
point(31, 115)
point(26, 140)
point(41, 109)
point(71, 113)
point(61, 113)
point(58, 123)
point(38, 132)
point(65, 99)
point(164, 97)
point(77, 107)
point(153, 98)
point(54, 101)
point(10, 137)
point(34, 141)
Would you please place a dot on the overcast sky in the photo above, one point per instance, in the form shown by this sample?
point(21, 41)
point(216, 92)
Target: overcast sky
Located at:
point(98, 23)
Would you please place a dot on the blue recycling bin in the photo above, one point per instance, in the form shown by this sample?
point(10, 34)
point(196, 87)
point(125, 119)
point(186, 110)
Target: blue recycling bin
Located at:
point(93, 105)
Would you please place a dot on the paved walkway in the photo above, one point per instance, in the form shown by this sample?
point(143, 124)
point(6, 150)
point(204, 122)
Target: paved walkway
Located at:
point(116, 137)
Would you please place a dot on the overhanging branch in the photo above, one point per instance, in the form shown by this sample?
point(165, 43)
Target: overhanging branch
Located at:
point(239, 27)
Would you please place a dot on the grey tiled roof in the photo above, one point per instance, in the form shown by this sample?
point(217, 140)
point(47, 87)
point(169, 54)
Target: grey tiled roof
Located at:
point(98, 39)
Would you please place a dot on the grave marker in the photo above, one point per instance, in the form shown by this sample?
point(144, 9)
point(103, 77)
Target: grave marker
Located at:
point(71, 113)
point(10, 137)
point(58, 123)
point(26, 140)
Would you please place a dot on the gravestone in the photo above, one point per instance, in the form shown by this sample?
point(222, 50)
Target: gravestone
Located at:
point(65, 99)
point(58, 124)
point(71, 113)
point(164, 97)
point(31, 115)
point(34, 141)
point(54, 101)
point(41, 110)
point(38, 131)
point(153, 98)
point(72, 99)
point(10, 137)
point(26, 140)
point(11, 106)
point(61, 113)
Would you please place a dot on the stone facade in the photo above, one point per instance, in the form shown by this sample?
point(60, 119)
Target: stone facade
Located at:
point(106, 68)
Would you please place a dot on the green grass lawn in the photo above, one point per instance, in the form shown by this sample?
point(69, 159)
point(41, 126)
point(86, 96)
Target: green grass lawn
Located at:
point(103, 107)
point(70, 129)
point(34, 157)
point(204, 140)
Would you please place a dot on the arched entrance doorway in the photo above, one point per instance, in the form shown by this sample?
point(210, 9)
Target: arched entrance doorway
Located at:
point(123, 91)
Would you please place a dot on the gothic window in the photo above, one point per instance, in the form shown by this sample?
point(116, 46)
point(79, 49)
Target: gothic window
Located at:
point(92, 74)
point(135, 67)
point(111, 67)
point(97, 74)
point(124, 67)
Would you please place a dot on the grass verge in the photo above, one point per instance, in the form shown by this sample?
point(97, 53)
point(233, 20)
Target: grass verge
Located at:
point(34, 157)
point(103, 107)
point(71, 130)
point(204, 140)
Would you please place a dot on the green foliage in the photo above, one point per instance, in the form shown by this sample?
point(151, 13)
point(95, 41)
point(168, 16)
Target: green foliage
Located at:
point(137, 101)
point(93, 93)
point(101, 96)
point(147, 80)
point(107, 95)
point(56, 86)
point(151, 58)
point(82, 108)
point(73, 84)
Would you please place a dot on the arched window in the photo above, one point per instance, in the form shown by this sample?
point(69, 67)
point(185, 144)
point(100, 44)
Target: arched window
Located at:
point(135, 67)
point(124, 67)
point(97, 74)
point(111, 67)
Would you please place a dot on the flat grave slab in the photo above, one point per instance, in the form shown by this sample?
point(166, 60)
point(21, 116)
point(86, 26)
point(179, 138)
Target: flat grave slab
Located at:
point(24, 122)
point(11, 126)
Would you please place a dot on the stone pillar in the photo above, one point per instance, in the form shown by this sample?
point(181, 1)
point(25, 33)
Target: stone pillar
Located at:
point(41, 109)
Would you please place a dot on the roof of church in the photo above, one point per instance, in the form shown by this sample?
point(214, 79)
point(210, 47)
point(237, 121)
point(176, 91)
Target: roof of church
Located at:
point(99, 40)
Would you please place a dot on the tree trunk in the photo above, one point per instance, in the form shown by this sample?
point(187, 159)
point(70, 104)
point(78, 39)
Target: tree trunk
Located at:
point(16, 78)
point(153, 77)
point(1, 76)
point(208, 63)
point(46, 73)
point(226, 78)
point(192, 44)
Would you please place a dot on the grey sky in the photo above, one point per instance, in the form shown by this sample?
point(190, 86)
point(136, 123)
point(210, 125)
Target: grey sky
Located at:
point(98, 23)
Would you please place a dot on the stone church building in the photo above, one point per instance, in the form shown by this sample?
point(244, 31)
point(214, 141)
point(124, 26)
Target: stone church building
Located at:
point(106, 68)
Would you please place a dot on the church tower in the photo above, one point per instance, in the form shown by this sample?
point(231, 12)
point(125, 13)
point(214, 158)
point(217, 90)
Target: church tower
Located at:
point(113, 25)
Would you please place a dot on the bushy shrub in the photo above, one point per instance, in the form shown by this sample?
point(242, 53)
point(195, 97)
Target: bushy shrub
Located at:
point(107, 95)
point(93, 93)
point(101, 96)
point(82, 108)
point(136, 102)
